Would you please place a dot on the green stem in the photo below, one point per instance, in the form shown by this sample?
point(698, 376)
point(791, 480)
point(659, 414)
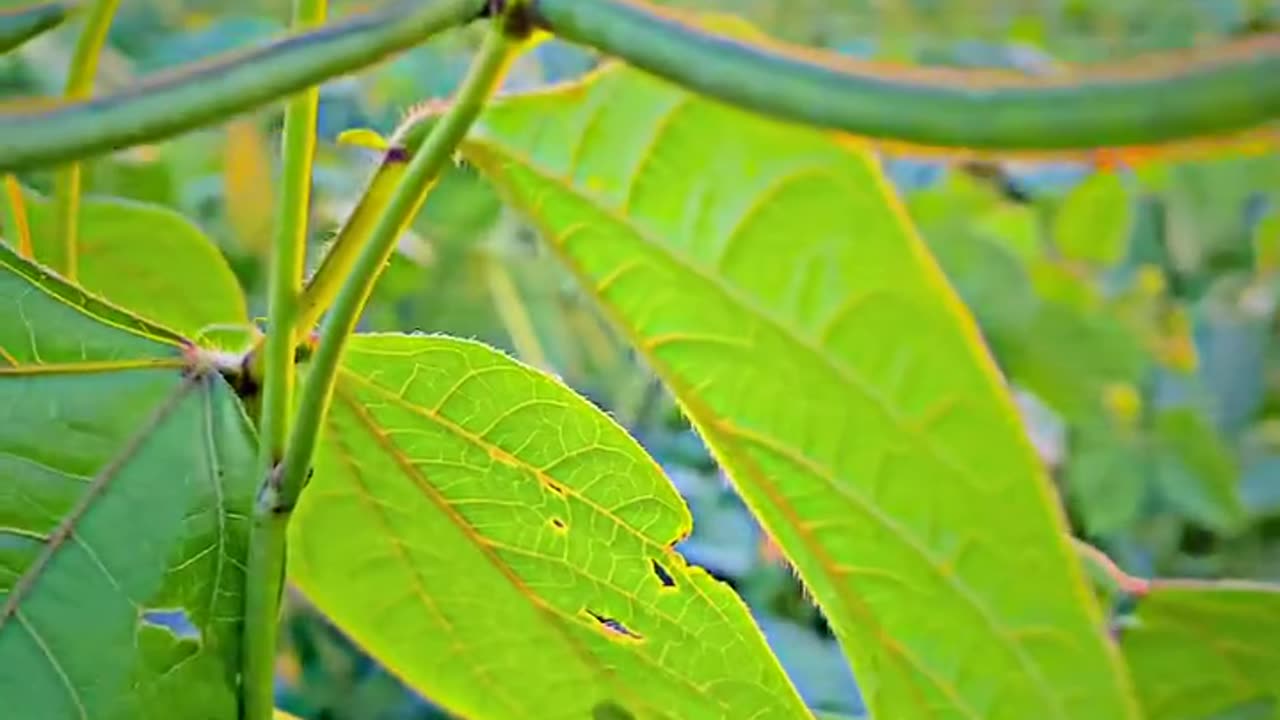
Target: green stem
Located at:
point(324, 285)
point(171, 103)
point(62, 255)
point(1142, 104)
point(420, 175)
point(21, 24)
point(266, 556)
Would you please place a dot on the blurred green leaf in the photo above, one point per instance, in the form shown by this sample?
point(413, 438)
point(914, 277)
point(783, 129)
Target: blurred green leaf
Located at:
point(127, 484)
point(503, 528)
point(148, 259)
point(1266, 244)
point(1068, 358)
point(836, 377)
point(1093, 221)
point(1106, 478)
point(1195, 649)
point(1197, 474)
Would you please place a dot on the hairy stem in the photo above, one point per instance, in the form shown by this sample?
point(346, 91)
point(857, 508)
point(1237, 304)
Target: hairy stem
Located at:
point(21, 24)
point(1150, 102)
point(63, 253)
point(324, 285)
point(266, 556)
point(171, 103)
point(419, 176)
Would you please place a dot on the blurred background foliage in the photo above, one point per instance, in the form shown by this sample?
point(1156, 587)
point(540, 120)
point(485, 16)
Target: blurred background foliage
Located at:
point(1133, 305)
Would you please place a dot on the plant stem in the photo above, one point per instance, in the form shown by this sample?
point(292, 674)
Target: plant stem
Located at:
point(16, 227)
point(483, 77)
point(1149, 101)
point(62, 254)
point(285, 481)
point(173, 102)
point(266, 566)
point(324, 285)
point(21, 24)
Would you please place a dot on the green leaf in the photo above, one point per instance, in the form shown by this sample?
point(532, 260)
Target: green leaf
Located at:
point(1106, 478)
point(513, 548)
point(1093, 221)
point(1197, 474)
point(1266, 244)
point(148, 259)
point(1069, 358)
point(1195, 649)
point(772, 281)
point(125, 484)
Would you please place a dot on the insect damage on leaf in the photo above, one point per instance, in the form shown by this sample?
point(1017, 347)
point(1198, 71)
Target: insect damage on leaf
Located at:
point(614, 627)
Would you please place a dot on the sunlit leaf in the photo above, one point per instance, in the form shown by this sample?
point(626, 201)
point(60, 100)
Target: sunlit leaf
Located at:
point(1196, 649)
point(513, 548)
point(148, 259)
point(772, 281)
point(125, 483)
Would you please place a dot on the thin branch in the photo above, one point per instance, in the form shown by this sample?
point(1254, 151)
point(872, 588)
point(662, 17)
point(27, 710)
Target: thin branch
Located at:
point(266, 559)
point(206, 92)
point(1150, 101)
point(63, 253)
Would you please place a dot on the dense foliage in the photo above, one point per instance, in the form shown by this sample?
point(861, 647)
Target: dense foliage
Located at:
point(660, 407)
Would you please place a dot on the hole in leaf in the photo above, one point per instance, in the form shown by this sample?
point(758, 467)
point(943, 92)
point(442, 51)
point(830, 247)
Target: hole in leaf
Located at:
point(559, 524)
point(555, 486)
point(175, 620)
point(663, 575)
point(613, 626)
point(610, 710)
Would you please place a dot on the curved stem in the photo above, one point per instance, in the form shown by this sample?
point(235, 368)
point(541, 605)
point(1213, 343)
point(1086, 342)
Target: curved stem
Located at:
point(266, 556)
point(420, 175)
point(62, 254)
point(1158, 100)
point(324, 285)
point(205, 92)
point(21, 24)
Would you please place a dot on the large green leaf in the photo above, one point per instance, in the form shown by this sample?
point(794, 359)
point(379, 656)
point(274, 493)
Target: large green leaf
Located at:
point(125, 483)
point(1196, 649)
point(506, 548)
point(149, 259)
point(773, 282)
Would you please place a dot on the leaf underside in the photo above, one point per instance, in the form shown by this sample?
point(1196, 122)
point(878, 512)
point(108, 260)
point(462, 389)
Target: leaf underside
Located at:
point(506, 548)
point(1197, 649)
point(770, 278)
point(125, 484)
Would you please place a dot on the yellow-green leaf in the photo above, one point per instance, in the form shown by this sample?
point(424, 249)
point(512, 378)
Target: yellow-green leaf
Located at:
point(773, 282)
point(1197, 649)
point(148, 259)
point(506, 549)
point(1094, 220)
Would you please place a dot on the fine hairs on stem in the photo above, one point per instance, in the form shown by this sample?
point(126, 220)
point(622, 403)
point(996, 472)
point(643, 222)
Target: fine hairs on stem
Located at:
point(284, 478)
